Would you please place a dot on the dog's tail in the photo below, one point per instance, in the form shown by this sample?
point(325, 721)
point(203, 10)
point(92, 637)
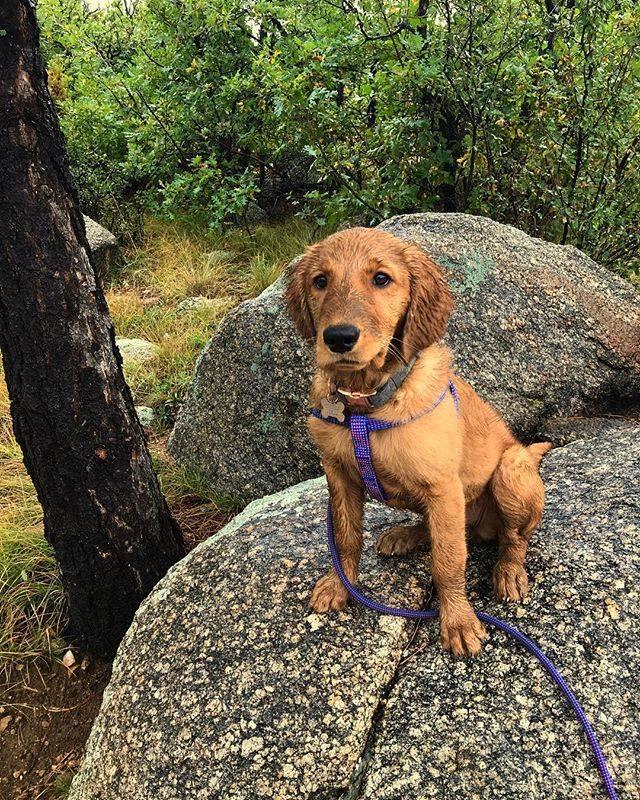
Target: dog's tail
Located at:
point(538, 450)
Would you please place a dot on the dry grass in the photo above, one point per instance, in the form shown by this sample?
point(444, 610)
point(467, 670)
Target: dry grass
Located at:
point(175, 261)
point(262, 273)
point(175, 265)
point(180, 336)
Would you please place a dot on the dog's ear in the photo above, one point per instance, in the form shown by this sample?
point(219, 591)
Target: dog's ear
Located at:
point(430, 304)
point(296, 297)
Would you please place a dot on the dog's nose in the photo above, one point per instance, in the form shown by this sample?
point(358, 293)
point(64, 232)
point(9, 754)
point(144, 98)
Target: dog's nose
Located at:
point(341, 338)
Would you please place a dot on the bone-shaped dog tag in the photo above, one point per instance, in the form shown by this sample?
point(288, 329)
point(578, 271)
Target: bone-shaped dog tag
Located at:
point(332, 408)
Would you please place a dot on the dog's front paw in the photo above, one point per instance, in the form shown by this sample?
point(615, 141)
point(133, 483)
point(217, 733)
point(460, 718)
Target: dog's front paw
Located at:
point(510, 581)
point(401, 540)
point(329, 594)
point(461, 632)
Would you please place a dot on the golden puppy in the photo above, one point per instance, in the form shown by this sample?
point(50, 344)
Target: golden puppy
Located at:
point(371, 303)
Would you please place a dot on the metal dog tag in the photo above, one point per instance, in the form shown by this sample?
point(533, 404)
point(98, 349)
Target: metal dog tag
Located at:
point(332, 408)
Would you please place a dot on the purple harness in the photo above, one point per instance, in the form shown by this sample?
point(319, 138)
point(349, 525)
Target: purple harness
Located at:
point(360, 426)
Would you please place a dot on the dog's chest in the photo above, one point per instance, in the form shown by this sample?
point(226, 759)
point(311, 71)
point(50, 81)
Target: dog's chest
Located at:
point(391, 457)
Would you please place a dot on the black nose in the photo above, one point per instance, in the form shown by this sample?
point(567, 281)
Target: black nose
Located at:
point(341, 338)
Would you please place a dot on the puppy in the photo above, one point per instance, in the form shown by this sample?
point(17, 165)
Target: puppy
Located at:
point(371, 303)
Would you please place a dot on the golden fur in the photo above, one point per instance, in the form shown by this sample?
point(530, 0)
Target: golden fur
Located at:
point(464, 473)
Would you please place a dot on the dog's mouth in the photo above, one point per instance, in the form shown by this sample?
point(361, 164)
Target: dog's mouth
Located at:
point(349, 364)
point(352, 363)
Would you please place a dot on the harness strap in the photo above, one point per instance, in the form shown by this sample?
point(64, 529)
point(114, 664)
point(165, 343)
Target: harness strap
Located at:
point(361, 425)
point(362, 451)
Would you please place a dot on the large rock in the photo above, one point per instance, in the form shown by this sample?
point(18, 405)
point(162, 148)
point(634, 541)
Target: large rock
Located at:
point(104, 247)
point(539, 330)
point(227, 687)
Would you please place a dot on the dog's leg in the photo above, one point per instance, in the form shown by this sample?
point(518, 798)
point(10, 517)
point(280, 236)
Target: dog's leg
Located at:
point(461, 631)
point(519, 494)
point(347, 505)
point(402, 539)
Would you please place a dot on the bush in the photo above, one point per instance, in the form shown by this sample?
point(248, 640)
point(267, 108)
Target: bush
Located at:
point(525, 111)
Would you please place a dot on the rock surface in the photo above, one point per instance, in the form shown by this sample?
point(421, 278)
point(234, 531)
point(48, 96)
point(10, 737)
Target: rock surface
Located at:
point(103, 244)
point(539, 330)
point(146, 415)
point(562, 430)
point(226, 686)
point(220, 304)
point(243, 424)
point(137, 351)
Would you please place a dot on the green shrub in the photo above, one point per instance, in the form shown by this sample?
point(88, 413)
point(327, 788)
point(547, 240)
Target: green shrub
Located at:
point(524, 111)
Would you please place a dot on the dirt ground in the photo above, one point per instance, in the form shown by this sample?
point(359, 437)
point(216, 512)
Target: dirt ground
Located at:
point(45, 720)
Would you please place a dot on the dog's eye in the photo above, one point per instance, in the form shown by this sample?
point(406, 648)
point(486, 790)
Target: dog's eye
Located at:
point(381, 279)
point(320, 281)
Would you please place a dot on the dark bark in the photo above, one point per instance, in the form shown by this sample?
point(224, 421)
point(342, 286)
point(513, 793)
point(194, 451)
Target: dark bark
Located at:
point(72, 411)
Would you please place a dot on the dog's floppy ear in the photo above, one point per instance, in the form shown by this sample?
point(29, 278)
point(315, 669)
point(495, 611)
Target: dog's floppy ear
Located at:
point(430, 304)
point(296, 297)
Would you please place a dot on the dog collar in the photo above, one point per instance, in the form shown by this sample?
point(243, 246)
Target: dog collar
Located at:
point(340, 398)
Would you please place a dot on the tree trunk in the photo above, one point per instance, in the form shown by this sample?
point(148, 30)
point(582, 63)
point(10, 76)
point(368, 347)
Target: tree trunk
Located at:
point(72, 411)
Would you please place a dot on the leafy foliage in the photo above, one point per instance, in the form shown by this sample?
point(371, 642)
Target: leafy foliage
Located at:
point(523, 110)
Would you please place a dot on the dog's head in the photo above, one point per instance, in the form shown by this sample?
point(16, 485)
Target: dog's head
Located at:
point(366, 298)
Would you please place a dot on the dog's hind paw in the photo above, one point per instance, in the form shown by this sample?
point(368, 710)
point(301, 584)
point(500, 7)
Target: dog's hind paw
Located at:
point(510, 581)
point(401, 540)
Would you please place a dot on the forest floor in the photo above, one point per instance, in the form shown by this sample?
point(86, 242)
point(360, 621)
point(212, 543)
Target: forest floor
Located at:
point(47, 719)
point(47, 708)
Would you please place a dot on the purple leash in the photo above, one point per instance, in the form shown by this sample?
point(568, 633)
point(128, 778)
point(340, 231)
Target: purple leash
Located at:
point(360, 425)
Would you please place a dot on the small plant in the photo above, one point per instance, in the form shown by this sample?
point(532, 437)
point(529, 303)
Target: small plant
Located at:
point(62, 785)
point(262, 273)
point(198, 509)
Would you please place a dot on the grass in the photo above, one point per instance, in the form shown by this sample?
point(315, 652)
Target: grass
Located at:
point(180, 337)
point(62, 785)
point(175, 262)
point(32, 603)
point(172, 262)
